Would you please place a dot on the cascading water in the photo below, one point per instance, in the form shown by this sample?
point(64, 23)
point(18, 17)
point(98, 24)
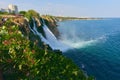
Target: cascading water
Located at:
point(54, 43)
point(30, 27)
point(39, 34)
point(50, 38)
point(32, 30)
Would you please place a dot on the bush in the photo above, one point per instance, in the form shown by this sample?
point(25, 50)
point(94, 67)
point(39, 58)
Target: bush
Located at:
point(20, 59)
point(32, 13)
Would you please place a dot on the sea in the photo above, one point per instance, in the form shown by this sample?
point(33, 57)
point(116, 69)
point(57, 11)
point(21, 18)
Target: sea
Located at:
point(94, 46)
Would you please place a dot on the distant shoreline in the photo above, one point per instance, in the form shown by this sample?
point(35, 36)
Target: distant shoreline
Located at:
point(75, 18)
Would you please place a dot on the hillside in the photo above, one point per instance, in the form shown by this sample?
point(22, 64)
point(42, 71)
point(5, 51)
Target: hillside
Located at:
point(24, 56)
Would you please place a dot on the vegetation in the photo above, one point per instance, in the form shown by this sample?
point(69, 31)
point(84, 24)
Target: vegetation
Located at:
point(22, 12)
point(29, 14)
point(21, 59)
point(3, 13)
point(60, 18)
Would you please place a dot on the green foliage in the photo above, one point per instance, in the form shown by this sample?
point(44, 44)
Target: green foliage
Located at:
point(8, 22)
point(32, 13)
point(23, 13)
point(3, 13)
point(20, 59)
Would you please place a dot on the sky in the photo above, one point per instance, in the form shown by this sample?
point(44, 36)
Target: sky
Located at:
point(75, 8)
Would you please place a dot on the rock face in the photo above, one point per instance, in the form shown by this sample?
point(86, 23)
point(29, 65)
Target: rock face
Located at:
point(51, 22)
point(23, 25)
point(1, 75)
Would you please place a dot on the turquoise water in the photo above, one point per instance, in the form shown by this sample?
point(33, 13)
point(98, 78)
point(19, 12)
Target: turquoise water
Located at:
point(95, 46)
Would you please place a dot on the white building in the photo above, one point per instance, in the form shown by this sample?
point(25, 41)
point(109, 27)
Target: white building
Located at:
point(11, 9)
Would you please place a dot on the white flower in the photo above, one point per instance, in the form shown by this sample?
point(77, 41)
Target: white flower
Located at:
point(19, 32)
point(3, 27)
point(13, 26)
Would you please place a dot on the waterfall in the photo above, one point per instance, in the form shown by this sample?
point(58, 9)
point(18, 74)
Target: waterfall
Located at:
point(48, 32)
point(32, 30)
point(30, 27)
point(50, 39)
point(54, 43)
point(39, 34)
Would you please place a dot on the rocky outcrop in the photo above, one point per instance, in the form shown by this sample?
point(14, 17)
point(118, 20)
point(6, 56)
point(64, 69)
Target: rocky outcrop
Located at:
point(23, 25)
point(1, 75)
point(51, 22)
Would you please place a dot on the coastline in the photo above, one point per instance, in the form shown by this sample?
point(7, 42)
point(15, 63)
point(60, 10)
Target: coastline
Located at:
point(60, 18)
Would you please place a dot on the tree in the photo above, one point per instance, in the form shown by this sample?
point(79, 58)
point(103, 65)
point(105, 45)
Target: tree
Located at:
point(22, 12)
point(4, 12)
point(32, 13)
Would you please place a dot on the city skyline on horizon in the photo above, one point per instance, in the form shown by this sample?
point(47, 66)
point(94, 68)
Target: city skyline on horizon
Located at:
point(76, 8)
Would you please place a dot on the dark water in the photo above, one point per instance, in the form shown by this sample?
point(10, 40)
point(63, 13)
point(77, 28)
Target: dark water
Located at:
point(95, 46)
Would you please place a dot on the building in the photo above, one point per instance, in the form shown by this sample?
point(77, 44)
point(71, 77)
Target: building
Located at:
point(11, 9)
point(4, 10)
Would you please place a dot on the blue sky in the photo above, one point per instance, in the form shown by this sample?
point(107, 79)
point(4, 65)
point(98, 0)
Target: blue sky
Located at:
point(78, 8)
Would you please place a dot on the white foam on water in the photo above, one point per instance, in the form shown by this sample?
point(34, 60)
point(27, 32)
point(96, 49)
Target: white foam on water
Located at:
point(64, 44)
point(77, 43)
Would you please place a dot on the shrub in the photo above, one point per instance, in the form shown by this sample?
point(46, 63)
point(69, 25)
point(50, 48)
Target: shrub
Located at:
point(20, 59)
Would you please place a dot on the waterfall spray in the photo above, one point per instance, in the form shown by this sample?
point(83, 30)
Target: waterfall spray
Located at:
point(50, 38)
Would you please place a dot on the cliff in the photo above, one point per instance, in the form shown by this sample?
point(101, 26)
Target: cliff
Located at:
point(23, 54)
point(51, 22)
